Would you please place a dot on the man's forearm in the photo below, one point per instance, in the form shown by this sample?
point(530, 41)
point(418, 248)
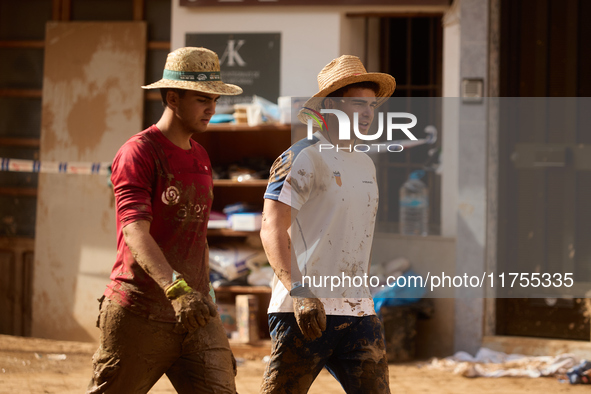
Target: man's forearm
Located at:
point(279, 251)
point(277, 242)
point(147, 253)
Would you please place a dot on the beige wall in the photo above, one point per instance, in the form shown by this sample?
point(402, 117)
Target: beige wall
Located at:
point(92, 103)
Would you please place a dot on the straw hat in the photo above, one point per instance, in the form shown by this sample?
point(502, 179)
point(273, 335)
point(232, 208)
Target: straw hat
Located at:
point(343, 71)
point(194, 69)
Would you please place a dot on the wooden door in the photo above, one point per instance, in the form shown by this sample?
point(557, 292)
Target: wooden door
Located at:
point(544, 209)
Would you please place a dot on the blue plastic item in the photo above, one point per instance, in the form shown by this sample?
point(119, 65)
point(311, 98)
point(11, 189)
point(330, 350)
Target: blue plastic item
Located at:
point(580, 373)
point(397, 295)
point(221, 118)
point(240, 207)
point(417, 174)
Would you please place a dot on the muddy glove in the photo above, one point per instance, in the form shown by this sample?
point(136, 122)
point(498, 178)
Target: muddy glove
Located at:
point(309, 312)
point(192, 309)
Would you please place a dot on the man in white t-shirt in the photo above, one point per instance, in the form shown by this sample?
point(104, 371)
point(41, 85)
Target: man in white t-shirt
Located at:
point(318, 224)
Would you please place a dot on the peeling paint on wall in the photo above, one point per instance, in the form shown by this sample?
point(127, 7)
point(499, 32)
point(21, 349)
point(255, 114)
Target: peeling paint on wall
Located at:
point(92, 103)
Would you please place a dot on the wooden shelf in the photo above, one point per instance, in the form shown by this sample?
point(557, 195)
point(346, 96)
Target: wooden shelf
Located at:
point(228, 232)
point(36, 44)
point(159, 45)
point(226, 144)
point(233, 183)
point(21, 93)
point(243, 289)
point(21, 142)
point(18, 191)
point(231, 127)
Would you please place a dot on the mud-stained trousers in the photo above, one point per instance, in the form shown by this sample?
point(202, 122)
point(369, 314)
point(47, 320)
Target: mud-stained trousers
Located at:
point(351, 349)
point(135, 352)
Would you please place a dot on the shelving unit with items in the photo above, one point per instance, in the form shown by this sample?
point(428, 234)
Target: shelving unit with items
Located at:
point(236, 147)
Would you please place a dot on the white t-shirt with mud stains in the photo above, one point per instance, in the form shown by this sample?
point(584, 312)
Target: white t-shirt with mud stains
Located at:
point(336, 195)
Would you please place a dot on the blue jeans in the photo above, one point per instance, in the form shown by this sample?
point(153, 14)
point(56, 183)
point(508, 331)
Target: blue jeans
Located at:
point(351, 349)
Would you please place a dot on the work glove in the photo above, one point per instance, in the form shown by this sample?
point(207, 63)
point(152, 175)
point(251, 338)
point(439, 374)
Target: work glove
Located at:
point(309, 312)
point(192, 309)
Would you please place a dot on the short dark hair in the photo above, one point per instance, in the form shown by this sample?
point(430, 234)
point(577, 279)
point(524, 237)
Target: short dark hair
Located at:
point(364, 85)
point(164, 92)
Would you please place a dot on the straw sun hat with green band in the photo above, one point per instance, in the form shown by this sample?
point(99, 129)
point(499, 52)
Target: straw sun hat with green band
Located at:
point(343, 71)
point(197, 69)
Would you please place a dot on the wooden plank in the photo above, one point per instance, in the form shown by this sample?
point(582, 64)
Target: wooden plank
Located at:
point(558, 49)
point(23, 44)
point(138, 10)
point(572, 47)
point(56, 10)
point(18, 191)
point(6, 293)
point(19, 244)
point(27, 257)
point(584, 78)
point(21, 93)
point(17, 295)
point(162, 45)
point(66, 10)
point(20, 142)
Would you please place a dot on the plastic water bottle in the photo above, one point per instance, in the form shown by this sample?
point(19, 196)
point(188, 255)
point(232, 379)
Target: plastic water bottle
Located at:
point(414, 205)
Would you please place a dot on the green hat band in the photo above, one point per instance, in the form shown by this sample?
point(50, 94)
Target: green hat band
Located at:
point(200, 76)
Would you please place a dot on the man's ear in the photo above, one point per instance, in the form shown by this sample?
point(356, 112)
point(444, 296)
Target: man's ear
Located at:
point(172, 98)
point(329, 103)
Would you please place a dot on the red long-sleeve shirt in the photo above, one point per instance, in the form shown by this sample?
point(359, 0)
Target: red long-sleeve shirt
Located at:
point(157, 181)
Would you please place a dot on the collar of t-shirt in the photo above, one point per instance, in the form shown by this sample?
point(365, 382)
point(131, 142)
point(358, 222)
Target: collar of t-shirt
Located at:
point(342, 149)
point(169, 144)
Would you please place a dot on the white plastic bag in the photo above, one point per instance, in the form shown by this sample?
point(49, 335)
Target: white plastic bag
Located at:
point(230, 259)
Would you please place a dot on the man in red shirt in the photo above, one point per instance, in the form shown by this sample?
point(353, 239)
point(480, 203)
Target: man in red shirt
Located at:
point(157, 315)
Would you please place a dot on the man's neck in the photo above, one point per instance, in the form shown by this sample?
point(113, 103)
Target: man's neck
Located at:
point(173, 131)
point(332, 135)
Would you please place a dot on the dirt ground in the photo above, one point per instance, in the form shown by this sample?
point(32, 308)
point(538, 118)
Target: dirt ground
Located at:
point(29, 365)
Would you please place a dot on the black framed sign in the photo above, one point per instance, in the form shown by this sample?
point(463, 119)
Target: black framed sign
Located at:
point(249, 60)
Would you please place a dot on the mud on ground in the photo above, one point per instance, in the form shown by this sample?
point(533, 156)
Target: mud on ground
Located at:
point(30, 365)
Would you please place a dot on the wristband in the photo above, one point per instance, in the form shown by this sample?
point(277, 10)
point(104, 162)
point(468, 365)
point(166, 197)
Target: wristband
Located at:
point(300, 291)
point(178, 288)
point(211, 292)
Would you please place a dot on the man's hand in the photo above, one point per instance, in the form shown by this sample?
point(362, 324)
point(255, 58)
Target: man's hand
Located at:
point(310, 315)
point(192, 309)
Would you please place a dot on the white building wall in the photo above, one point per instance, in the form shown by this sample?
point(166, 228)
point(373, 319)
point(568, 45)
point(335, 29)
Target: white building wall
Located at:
point(310, 36)
point(308, 40)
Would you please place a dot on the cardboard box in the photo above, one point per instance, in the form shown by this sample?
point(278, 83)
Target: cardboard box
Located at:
point(247, 307)
point(246, 221)
point(227, 314)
